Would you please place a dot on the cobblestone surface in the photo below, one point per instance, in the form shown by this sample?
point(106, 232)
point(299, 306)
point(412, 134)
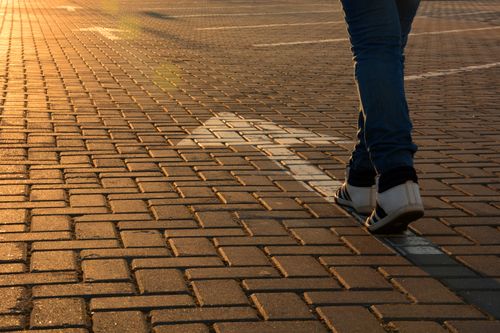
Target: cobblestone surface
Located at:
point(168, 166)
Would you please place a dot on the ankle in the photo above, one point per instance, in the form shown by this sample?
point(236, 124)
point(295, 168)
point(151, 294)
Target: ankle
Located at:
point(395, 177)
point(361, 178)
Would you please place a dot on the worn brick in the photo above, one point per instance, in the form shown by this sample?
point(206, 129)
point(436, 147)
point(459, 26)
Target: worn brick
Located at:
point(219, 293)
point(186, 247)
point(299, 266)
point(142, 238)
point(244, 256)
point(353, 297)
point(265, 228)
point(290, 284)
point(418, 327)
point(98, 230)
point(87, 200)
point(426, 290)
point(487, 265)
point(472, 326)
point(271, 327)
point(280, 306)
point(105, 270)
point(202, 315)
point(151, 281)
point(12, 252)
point(183, 328)
point(179, 262)
point(83, 289)
point(316, 236)
point(171, 212)
point(426, 312)
point(140, 302)
point(349, 319)
point(360, 278)
point(232, 273)
point(50, 223)
point(12, 300)
point(119, 322)
point(128, 206)
point(53, 261)
point(57, 312)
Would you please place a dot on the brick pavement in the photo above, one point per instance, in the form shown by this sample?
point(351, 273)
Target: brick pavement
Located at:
point(167, 166)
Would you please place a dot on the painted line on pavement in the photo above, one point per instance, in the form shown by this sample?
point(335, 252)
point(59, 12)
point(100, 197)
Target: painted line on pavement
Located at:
point(105, 32)
point(335, 40)
point(451, 71)
point(252, 14)
point(268, 25)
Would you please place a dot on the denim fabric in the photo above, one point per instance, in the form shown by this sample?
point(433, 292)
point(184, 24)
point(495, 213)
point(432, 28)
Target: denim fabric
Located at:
point(378, 31)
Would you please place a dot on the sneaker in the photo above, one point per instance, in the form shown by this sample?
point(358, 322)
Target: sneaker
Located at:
point(360, 199)
point(396, 208)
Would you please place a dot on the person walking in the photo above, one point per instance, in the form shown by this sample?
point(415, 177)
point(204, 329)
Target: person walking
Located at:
point(378, 31)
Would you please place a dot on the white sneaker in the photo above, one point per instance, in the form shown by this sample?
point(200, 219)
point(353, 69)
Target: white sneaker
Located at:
point(396, 208)
point(360, 199)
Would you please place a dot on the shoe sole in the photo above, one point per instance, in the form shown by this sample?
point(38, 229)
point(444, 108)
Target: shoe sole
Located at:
point(397, 221)
point(347, 204)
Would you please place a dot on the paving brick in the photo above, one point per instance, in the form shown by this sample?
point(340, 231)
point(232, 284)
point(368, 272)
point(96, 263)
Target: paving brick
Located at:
point(98, 230)
point(184, 328)
point(307, 250)
point(280, 306)
point(57, 312)
point(231, 273)
point(171, 212)
point(470, 326)
point(37, 278)
point(244, 256)
point(426, 312)
point(11, 322)
point(353, 297)
point(360, 278)
point(299, 266)
point(105, 270)
point(349, 319)
point(151, 281)
point(290, 284)
point(254, 241)
point(12, 252)
point(202, 315)
point(219, 293)
point(50, 223)
point(419, 327)
point(128, 206)
point(265, 228)
point(86, 200)
point(140, 302)
point(178, 262)
point(142, 238)
point(83, 289)
point(481, 235)
point(12, 300)
point(271, 327)
point(367, 245)
point(127, 253)
point(426, 290)
point(187, 247)
point(486, 265)
point(316, 236)
point(53, 261)
point(364, 261)
point(119, 322)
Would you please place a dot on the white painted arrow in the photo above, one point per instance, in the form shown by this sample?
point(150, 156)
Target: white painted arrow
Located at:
point(105, 32)
point(69, 8)
point(273, 140)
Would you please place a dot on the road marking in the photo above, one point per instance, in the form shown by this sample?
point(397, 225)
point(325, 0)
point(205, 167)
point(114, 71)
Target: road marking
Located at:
point(453, 31)
point(451, 71)
point(105, 32)
point(336, 40)
point(231, 7)
point(252, 14)
point(274, 141)
point(69, 8)
point(463, 14)
point(269, 25)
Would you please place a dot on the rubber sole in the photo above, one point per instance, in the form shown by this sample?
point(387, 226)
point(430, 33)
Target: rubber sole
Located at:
point(347, 204)
point(395, 222)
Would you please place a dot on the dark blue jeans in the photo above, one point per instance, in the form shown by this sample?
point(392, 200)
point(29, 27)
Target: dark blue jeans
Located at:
point(378, 31)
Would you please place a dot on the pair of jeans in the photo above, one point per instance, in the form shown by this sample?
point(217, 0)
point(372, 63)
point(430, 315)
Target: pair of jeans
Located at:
point(378, 31)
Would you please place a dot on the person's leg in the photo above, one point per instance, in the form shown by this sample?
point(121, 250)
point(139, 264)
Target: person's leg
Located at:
point(378, 35)
point(375, 33)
